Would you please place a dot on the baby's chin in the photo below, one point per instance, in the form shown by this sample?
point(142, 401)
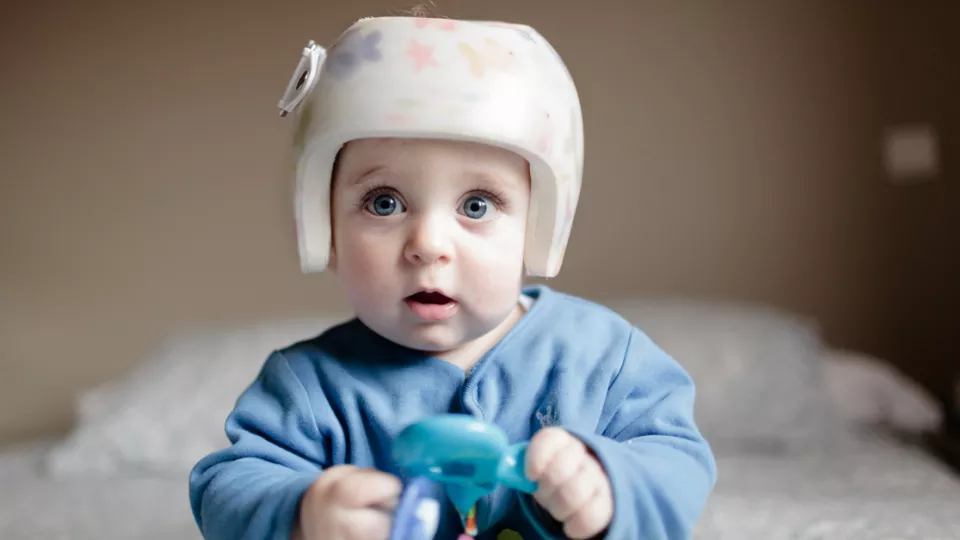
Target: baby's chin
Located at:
point(440, 339)
point(463, 335)
point(459, 345)
point(434, 339)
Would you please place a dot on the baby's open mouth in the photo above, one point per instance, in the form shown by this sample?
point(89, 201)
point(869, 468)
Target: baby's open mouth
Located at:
point(430, 298)
point(431, 305)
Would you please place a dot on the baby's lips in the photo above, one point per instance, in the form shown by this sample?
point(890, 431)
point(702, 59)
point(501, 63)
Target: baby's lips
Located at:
point(430, 297)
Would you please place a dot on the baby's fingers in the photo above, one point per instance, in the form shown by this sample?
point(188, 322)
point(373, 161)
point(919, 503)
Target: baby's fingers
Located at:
point(367, 488)
point(592, 518)
point(366, 524)
point(545, 447)
point(565, 500)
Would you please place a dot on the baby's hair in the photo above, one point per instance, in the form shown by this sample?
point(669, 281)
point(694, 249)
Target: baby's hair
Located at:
point(426, 9)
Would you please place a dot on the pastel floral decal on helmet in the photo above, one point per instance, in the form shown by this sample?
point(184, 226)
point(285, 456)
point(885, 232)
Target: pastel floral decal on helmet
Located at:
point(353, 49)
point(447, 25)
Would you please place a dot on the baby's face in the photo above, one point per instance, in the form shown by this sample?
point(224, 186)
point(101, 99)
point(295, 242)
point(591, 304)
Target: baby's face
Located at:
point(428, 238)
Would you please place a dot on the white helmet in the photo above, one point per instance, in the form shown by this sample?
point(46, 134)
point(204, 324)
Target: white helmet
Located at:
point(488, 82)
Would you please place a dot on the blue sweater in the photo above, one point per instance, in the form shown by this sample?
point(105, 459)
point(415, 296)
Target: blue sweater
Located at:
point(341, 397)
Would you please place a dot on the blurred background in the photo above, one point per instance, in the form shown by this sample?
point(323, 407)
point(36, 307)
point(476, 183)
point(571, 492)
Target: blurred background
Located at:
point(762, 152)
point(799, 157)
point(734, 149)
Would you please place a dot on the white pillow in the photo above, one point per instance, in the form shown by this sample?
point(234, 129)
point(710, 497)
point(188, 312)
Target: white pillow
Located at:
point(758, 376)
point(170, 411)
point(759, 372)
point(869, 393)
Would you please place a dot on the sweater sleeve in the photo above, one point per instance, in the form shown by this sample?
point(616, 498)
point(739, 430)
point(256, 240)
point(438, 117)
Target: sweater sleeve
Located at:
point(251, 489)
point(660, 467)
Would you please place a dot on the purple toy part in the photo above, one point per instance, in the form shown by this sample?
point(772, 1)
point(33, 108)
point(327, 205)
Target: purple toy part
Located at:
point(418, 513)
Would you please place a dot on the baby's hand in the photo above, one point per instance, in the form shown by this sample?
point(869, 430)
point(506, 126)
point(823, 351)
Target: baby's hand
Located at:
point(348, 503)
point(573, 486)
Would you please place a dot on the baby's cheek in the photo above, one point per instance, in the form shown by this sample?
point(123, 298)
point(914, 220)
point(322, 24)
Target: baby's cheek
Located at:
point(499, 252)
point(498, 270)
point(364, 260)
point(507, 237)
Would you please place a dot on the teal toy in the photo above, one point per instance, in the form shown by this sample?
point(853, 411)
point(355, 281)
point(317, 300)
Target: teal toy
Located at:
point(468, 457)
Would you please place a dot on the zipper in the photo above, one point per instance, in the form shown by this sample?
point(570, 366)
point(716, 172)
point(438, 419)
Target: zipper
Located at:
point(480, 511)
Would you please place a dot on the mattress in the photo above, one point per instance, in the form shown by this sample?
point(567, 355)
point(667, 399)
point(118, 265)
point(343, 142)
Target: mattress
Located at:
point(876, 491)
point(34, 506)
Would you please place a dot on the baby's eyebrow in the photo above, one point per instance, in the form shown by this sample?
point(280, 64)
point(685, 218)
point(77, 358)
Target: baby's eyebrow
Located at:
point(492, 179)
point(367, 174)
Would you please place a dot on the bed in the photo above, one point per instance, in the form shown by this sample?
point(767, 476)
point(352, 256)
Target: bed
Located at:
point(792, 464)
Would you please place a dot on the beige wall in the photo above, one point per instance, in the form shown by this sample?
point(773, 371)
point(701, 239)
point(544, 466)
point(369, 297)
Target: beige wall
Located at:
point(916, 74)
point(731, 151)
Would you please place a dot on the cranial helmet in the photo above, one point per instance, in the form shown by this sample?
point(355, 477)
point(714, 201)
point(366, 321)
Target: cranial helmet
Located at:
point(488, 82)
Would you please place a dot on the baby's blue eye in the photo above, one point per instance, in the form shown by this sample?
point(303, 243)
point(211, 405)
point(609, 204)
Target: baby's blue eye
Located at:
point(475, 207)
point(384, 205)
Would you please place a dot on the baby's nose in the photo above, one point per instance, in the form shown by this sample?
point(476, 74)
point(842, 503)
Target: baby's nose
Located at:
point(429, 243)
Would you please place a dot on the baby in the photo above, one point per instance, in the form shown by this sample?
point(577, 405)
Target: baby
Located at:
point(439, 162)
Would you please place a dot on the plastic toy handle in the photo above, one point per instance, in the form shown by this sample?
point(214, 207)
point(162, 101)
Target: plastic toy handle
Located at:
point(417, 515)
point(511, 469)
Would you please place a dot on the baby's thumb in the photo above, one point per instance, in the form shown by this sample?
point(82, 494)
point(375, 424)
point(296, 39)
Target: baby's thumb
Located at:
point(370, 488)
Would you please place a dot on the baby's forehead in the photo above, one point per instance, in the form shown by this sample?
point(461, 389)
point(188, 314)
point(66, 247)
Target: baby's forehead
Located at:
point(385, 148)
point(399, 155)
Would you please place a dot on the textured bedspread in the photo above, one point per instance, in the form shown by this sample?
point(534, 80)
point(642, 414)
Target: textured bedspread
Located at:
point(738, 517)
point(35, 507)
point(878, 492)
